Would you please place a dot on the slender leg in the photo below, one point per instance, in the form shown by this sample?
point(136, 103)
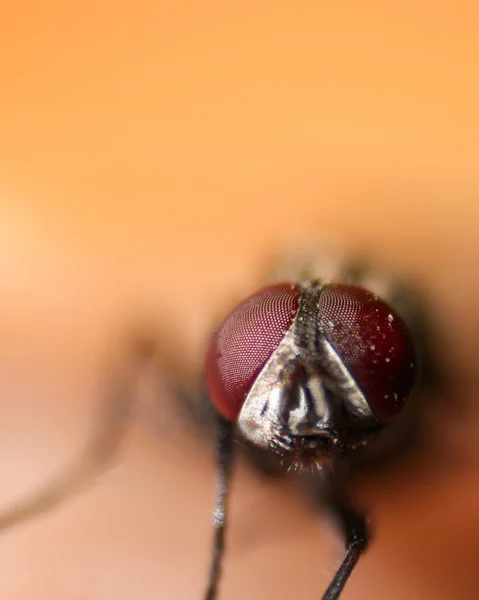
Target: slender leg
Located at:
point(224, 457)
point(98, 455)
point(355, 530)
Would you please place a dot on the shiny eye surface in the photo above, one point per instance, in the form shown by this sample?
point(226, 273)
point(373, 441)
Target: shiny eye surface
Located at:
point(245, 341)
point(373, 343)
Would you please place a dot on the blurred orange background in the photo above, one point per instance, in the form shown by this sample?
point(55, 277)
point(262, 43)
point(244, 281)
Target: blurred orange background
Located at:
point(151, 154)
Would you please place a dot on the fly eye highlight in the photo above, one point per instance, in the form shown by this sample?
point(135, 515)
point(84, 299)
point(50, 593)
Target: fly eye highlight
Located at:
point(373, 343)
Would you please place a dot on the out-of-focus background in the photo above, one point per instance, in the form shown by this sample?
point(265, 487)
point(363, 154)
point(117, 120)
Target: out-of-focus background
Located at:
point(151, 155)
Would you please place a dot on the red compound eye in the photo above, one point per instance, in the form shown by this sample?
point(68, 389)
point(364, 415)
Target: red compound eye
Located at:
point(245, 341)
point(374, 344)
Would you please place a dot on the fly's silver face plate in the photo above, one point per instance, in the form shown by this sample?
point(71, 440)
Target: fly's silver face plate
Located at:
point(302, 387)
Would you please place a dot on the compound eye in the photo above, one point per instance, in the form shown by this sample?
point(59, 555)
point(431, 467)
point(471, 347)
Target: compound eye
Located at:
point(373, 343)
point(245, 341)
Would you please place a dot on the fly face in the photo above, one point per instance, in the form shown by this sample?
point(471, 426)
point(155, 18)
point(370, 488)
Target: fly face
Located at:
point(331, 361)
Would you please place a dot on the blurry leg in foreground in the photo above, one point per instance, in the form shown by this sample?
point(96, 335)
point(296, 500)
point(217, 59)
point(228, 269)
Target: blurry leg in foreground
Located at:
point(100, 451)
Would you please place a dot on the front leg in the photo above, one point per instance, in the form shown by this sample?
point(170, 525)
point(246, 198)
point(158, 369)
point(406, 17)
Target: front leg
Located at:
point(224, 461)
point(354, 527)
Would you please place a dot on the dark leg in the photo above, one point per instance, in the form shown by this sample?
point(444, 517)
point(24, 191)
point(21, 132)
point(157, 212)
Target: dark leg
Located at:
point(224, 457)
point(355, 530)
